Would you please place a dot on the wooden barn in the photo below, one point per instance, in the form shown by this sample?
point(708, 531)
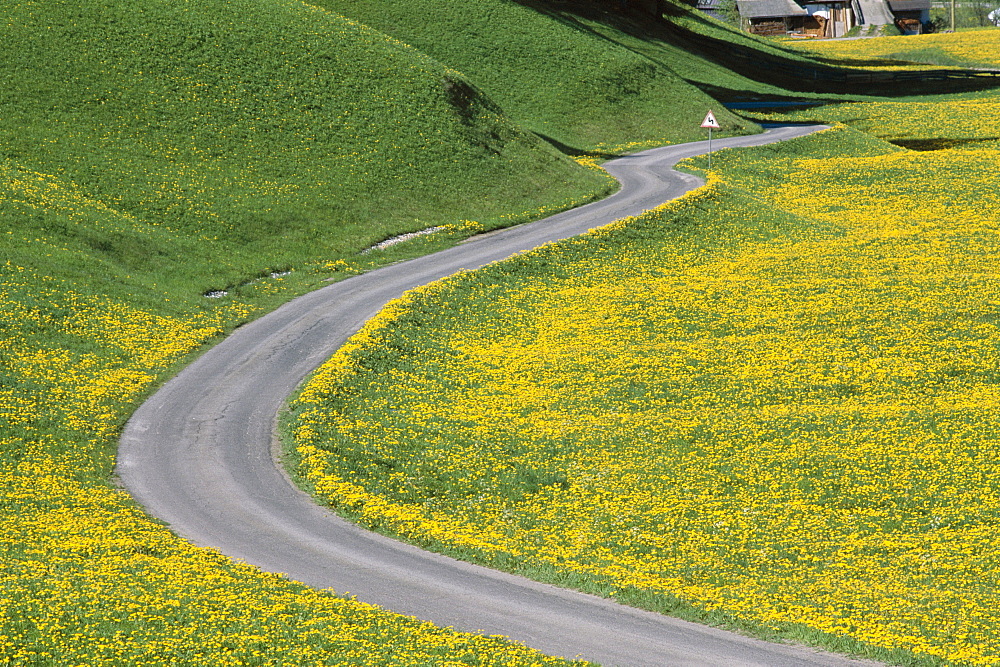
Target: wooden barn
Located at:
point(771, 17)
point(837, 16)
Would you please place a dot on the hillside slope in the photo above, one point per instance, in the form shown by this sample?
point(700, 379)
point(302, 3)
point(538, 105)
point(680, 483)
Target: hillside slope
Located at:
point(561, 74)
point(151, 152)
point(155, 152)
point(278, 130)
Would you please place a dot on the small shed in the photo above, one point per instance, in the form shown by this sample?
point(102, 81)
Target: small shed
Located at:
point(911, 15)
point(771, 17)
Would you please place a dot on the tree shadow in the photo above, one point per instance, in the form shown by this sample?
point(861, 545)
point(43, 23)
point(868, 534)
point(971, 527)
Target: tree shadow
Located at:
point(939, 144)
point(566, 149)
point(779, 65)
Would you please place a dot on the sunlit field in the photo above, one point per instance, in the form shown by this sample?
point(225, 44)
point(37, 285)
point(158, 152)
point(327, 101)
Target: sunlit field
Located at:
point(773, 402)
point(171, 170)
point(87, 578)
point(968, 48)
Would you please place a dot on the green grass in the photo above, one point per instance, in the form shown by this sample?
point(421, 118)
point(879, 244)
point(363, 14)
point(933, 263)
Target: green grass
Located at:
point(500, 445)
point(154, 151)
point(151, 152)
point(269, 133)
point(579, 74)
point(589, 77)
point(929, 56)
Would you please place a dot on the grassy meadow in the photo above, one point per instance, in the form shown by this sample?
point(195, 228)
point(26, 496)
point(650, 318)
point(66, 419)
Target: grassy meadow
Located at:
point(770, 404)
point(275, 129)
point(170, 170)
point(560, 71)
point(153, 153)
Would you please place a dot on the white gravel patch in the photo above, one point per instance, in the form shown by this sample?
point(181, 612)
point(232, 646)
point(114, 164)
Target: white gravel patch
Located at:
point(399, 239)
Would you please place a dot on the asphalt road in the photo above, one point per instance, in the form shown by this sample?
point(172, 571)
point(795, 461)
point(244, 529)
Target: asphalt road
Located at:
point(200, 455)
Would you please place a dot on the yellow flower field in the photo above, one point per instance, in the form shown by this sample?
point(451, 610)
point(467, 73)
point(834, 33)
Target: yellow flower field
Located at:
point(85, 577)
point(975, 47)
point(89, 580)
point(775, 399)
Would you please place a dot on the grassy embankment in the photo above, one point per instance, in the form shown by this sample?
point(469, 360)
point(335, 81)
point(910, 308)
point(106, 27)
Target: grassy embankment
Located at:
point(562, 71)
point(643, 73)
point(770, 405)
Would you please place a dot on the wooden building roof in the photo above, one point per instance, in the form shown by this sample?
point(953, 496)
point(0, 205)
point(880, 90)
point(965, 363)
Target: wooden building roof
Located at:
point(910, 5)
point(762, 9)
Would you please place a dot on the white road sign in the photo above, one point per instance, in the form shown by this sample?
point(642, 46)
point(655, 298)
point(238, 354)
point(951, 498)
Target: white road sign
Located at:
point(710, 121)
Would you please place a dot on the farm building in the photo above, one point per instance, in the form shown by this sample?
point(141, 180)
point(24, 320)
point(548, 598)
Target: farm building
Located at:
point(830, 18)
point(819, 18)
point(772, 17)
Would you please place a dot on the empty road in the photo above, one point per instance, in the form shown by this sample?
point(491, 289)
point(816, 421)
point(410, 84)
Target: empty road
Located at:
point(201, 453)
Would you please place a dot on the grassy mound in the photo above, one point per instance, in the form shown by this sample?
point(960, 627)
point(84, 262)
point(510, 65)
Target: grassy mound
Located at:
point(586, 75)
point(273, 131)
point(581, 75)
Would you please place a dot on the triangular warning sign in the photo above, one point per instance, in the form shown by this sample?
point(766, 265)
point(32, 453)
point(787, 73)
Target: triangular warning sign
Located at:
point(710, 121)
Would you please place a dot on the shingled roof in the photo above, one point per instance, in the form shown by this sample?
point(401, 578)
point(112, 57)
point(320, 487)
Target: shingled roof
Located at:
point(910, 5)
point(764, 9)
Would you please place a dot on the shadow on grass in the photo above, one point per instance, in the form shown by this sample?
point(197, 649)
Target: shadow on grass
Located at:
point(772, 64)
point(566, 149)
point(940, 144)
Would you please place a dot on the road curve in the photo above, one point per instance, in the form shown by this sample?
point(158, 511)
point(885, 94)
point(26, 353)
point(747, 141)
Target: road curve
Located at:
point(200, 455)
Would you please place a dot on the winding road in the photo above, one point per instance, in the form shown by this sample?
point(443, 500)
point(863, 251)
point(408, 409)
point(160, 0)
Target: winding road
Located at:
point(201, 455)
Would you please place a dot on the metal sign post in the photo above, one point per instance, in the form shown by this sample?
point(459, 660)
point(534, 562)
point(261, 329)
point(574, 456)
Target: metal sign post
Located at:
point(711, 124)
point(709, 149)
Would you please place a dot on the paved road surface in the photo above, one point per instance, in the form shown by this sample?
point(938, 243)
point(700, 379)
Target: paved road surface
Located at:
point(198, 454)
